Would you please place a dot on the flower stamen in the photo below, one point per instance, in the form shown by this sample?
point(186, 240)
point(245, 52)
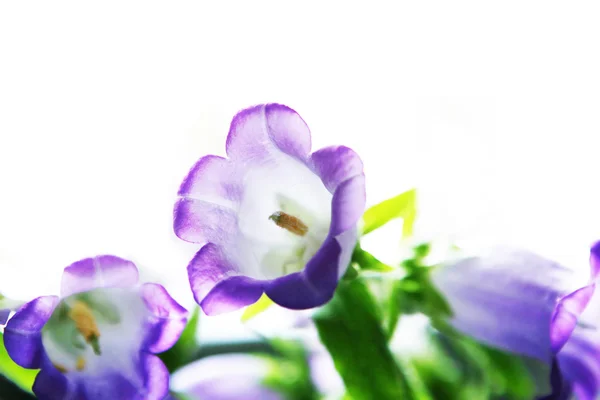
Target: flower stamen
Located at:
point(80, 365)
point(289, 223)
point(85, 323)
point(60, 368)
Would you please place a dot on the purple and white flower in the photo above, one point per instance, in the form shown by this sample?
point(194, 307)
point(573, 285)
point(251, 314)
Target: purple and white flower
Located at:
point(225, 377)
point(524, 304)
point(98, 339)
point(272, 217)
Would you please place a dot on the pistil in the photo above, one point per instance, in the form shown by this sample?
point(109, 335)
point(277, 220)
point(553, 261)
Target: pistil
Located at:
point(289, 223)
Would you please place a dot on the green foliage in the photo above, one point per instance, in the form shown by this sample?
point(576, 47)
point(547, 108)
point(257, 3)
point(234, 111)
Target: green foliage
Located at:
point(350, 328)
point(20, 376)
point(463, 369)
point(402, 206)
point(367, 261)
point(416, 293)
point(184, 350)
point(290, 371)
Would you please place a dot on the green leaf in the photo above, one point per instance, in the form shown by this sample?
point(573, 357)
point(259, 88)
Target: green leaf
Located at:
point(402, 206)
point(261, 305)
point(20, 376)
point(183, 351)
point(349, 327)
point(289, 372)
point(367, 261)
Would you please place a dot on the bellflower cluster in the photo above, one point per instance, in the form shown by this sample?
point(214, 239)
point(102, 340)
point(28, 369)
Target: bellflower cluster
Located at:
point(278, 222)
point(273, 217)
point(98, 339)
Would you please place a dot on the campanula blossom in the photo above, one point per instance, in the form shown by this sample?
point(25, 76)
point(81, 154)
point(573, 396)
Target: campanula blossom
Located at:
point(98, 339)
point(272, 217)
point(225, 377)
point(524, 304)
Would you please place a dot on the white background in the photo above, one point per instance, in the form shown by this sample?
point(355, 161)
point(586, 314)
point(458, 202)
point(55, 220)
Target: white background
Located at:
point(490, 109)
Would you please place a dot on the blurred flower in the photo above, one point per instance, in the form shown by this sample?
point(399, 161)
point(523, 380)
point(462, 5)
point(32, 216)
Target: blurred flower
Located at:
point(225, 377)
point(521, 303)
point(272, 217)
point(97, 340)
point(249, 376)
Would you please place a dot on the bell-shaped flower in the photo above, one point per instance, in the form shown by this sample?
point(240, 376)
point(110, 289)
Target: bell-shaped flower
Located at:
point(98, 339)
point(521, 303)
point(272, 217)
point(225, 377)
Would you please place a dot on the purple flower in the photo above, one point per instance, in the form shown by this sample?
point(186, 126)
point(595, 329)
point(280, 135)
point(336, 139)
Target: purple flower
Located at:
point(225, 377)
point(272, 217)
point(519, 302)
point(97, 340)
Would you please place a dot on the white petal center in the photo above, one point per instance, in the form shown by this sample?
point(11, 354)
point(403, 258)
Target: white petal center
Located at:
point(284, 185)
point(96, 331)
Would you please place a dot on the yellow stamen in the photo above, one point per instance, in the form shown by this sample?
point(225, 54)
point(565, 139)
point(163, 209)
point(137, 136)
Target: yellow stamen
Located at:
point(80, 364)
point(60, 368)
point(289, 222)
point(84, 320)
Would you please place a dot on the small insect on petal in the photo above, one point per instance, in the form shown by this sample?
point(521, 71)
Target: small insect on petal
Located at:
point(289, 222)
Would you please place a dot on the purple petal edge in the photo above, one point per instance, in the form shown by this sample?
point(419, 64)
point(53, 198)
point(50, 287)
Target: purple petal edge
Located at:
point(336, 164)
point(312, 287)
point(566, 314)
point(98, 272)
point(208, 267)
point(167, 320)
point(23, 333)
point(257, 131)
point(232, 294)
point(595, 260)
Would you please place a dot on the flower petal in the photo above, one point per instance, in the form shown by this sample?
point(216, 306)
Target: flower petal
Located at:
point(566, 314)
point(232, 294)
point(208, 267)
point(212, 179)
point(98, 272)
point(198, 221)
point(156, 382)
point(505, 299)
point(595, 259)
point(51, 384)
point(167, 319)
point(348, 205)
point(336, 164)
point(108, 385)
point(225, 377)
point(312, 287)
point(258, 131)
point(578, 362)
point(22, 335)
